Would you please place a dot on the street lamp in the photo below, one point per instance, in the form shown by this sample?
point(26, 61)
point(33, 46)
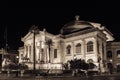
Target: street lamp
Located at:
point(17, 57)
point(110, 66)
point(34, 29)
point(99, 59)
point(110, 60)
point(74, 57)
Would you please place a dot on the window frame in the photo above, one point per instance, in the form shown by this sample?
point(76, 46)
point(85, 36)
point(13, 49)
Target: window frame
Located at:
point(118, 53)
point(108, 55)
point(90, 46)
point(68, 50)
point(78, 48)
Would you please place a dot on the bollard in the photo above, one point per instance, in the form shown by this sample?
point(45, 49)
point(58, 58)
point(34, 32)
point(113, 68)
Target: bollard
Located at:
point(17, 73)
point(8, 73)
point(0, 73)
point(22, 71)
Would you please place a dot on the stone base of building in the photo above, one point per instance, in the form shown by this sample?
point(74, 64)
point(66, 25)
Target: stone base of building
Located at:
point(45, 66)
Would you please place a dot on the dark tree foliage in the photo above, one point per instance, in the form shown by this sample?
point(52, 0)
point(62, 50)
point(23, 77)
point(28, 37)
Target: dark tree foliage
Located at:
point(22, 66)
point(15, 67)
point(10, 66)
point(78, 64)
point(91, 65)
point(65, 66)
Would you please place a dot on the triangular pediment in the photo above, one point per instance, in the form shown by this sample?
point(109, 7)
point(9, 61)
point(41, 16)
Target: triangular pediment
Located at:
point(28, 36)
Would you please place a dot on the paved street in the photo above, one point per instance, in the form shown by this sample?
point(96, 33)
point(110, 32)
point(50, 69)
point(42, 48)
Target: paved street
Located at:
point(102, 77)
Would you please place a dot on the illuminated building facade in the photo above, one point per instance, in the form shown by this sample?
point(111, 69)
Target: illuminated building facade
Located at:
point(77, 39)
point(113, 54)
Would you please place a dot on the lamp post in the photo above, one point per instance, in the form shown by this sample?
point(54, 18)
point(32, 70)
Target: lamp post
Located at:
point(110, 66)
point(17, 57)
point(74, 70)
point(39, 65)
point(34, 29)
point(74, 57)
point(99, 59)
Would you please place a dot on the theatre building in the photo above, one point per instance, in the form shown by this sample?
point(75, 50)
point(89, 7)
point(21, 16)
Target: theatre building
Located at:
point(113, 55)
point(77, 39)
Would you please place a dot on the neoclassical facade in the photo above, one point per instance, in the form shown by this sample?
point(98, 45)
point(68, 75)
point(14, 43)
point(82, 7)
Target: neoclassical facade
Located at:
point(113, 53)
point(77, 39)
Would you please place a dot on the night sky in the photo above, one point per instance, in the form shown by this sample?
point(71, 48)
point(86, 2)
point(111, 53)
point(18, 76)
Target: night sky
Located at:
point(19, 20)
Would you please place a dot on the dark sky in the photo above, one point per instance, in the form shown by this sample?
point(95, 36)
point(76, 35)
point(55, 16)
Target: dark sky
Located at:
point(19, 20)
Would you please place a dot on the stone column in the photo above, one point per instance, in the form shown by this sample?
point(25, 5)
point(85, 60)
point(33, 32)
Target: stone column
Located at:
point(96, 48)
point(40, 54)
point(83, 51)
point(36, 51)
point(28, 53)
point(73, 48)
point(60, 51)
point(39, 50)
point(97, 52)
point(32, 52)
point(24, 50)
point(47, 52)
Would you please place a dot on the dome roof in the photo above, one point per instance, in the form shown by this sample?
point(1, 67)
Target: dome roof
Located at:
point(75, 26)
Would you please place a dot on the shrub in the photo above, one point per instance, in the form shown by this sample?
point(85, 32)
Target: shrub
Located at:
point(23, 66)
point(10, 66)
point(78, 64)
point(91, 65)
point(66, 66)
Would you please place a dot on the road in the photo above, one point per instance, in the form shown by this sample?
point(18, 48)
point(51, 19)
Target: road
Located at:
point(63, 78)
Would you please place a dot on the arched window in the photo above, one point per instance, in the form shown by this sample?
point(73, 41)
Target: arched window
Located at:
point(78, 48)
point(109, 54)
point(69, 49)
point(89, 46)
point(118, 53)
point(90, 61)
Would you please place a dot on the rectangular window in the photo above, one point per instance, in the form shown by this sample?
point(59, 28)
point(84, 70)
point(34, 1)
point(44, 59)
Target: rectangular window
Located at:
point(90, 46)
point(55, 53)
point(42, 53)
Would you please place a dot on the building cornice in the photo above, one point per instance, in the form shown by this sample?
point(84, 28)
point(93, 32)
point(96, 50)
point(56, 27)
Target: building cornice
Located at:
point(81, 32)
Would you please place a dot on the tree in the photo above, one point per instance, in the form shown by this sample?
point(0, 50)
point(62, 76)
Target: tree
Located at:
point(65, 65)
point(78, 64)
point(23, 66)
point(91, 65)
